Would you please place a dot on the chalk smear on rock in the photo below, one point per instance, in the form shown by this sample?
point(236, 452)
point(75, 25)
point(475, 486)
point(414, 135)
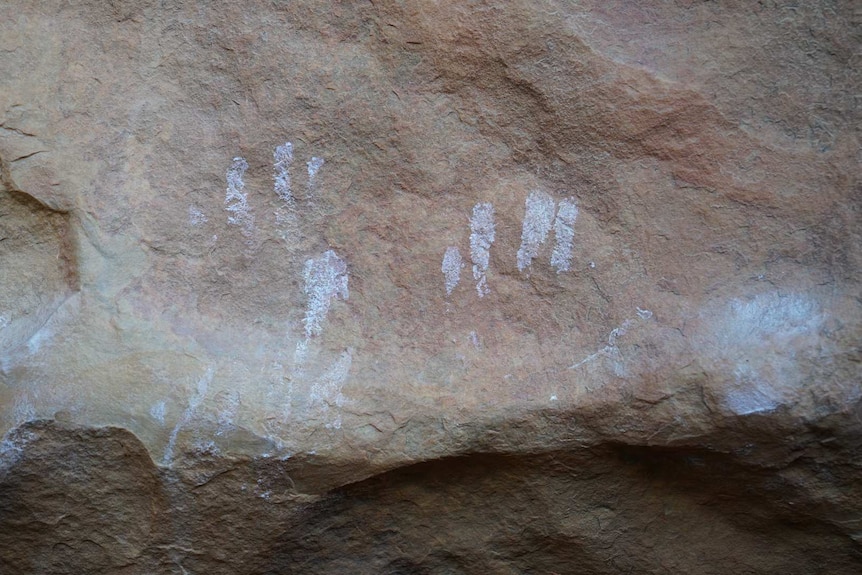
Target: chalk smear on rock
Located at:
point(481, 238)
point(236, 200)
point(196, 216)
point(325, 279)
point(282, 159)
point(564, 235)
point(313, 165)
point(326, 394)
point(451, 268)
point(538, 218)
point(195, 401)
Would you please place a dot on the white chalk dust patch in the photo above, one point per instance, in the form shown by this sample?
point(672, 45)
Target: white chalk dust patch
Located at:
point(196, 216)
point(326, 395)
point(282, 158)
point(236, 199)
point(451, 268)
point(158, 412)
point(195, 401)
point(325, 280)
point(538, 218)
point(564, 235)
point(758, 343)
point(313, 166)
point(611, 351)
point(481, 238)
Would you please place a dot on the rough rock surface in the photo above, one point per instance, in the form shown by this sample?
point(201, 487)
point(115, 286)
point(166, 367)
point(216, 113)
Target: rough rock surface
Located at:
point(535, 286)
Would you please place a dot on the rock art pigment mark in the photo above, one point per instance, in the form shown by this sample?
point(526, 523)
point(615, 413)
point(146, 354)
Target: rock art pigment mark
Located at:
point(23, 410)
point(611, 350)
point(751, 394)
point(285, 215)
point(745, 336)
point(12, 447)
point(451, 268)
point(539, 219)
point(313, 165)
point(196, 216)
point(325, 280)
point(194, 403)
point(282, 159)
point(326, 391)
point(481, 238)
point(157, 412)
point(564, 234)
point(228, 407)
point(644, 313)
point(537, 225)
point(236, 200)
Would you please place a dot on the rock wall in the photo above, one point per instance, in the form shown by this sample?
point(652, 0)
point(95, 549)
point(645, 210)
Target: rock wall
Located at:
point(533, 286)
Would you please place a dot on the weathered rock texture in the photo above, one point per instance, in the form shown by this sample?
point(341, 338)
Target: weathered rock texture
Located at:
point(430, 287)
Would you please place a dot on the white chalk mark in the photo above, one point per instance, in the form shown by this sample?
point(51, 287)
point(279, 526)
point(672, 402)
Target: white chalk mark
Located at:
point(326, 393)
point(751, 394)
point(611, 349)
point(644, 313)
point(313, 165)
point(34, 344)
point(228, 406)
point(537, 225)
point(607, 350)
point(481, 238)
point(766, 342)
point(452, 264)
point(12, 447)
point(194, 402)
point(288, 222)
point(282, 159)
point(196, 216)
point(285, 216)
point(618, 332)
point(300, 354)
point(23, 410)
point(236, 200)
point(564, 234)
point(157, 412)
point(325, 279)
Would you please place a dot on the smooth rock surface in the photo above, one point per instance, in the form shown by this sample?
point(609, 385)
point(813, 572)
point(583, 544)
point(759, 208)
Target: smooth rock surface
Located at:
point(534, 286)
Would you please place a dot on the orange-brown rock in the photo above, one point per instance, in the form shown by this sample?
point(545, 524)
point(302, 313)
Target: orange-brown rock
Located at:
point(534, 286)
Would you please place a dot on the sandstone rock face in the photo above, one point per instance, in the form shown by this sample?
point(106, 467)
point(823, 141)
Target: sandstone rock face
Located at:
point(535, 286)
